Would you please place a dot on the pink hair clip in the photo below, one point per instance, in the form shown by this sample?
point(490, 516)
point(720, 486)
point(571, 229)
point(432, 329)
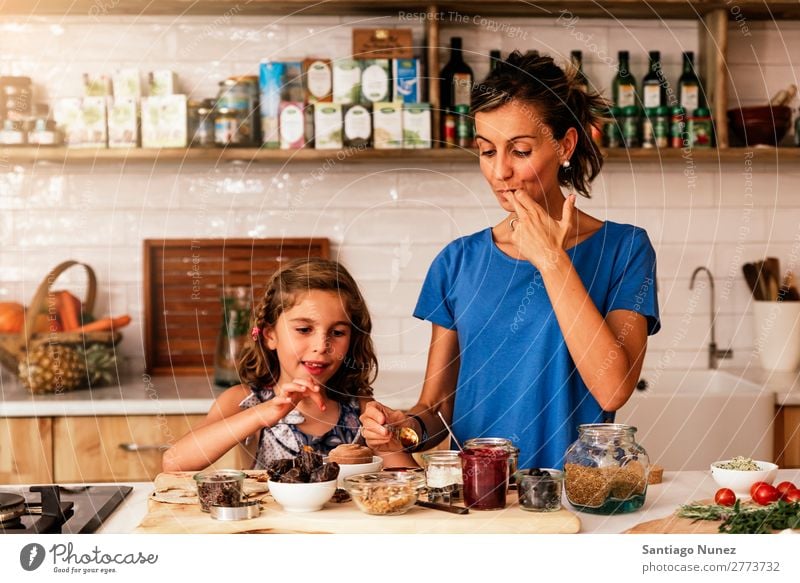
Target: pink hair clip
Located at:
point(255, 333)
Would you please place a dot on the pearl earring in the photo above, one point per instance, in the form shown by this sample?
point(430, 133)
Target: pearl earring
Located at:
point(565, 164)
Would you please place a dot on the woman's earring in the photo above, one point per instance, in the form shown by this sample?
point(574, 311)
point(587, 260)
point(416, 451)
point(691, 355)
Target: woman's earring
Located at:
point(565, 164)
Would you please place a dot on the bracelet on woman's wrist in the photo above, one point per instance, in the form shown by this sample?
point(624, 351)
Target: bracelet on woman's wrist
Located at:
point(423, 435)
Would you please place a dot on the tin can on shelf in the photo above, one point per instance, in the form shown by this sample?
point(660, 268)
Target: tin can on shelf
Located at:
point(612, 132)
point(655, 128)
point(241, 94)
point(230, 128)
point(677, 128)
point(449, 134)
point(464, 133)
point(630, 127)
point(201, 123)
point(700, 128)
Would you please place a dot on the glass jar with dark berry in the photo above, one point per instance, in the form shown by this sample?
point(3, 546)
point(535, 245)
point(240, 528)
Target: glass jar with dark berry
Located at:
point(605, 470)
point(539, 489)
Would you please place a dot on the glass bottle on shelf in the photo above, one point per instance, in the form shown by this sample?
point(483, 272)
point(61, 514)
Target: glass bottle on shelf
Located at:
point(455, 79)
point(689, 84)
point(624, 85)
point(233, 335)
point(654, 87)
point(577, 60)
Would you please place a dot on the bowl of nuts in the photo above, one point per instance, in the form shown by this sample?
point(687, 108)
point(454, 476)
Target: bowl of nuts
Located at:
point(385, 493)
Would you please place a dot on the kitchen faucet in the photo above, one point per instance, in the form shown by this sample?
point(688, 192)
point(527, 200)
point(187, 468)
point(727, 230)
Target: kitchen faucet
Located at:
point(713, 354)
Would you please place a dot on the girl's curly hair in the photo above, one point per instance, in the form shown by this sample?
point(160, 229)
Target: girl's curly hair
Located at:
point(259, 365)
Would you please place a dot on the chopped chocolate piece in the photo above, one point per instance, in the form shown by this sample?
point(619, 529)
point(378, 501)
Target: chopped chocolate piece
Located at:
point(279, 467)
point(326, 473)
point(308, 461)
point(293, 476)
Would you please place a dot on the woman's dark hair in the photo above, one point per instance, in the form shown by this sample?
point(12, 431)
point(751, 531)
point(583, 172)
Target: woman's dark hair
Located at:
point(561, 101)
point(259, 365)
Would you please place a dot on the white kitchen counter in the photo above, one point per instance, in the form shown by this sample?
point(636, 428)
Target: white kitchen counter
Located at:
point(785, 385)
point(662, 500)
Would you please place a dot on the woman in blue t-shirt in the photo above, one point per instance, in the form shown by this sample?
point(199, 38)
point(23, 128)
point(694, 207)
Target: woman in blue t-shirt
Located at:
point(540, 322)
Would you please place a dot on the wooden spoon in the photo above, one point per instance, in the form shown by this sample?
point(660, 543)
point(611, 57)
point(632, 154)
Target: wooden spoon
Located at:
point(751, 276)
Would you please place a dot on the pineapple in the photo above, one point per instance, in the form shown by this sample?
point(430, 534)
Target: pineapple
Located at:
point(52, 368)
point(56, 368)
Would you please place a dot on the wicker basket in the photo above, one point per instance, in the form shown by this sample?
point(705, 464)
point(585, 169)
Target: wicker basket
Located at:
point(15, 348)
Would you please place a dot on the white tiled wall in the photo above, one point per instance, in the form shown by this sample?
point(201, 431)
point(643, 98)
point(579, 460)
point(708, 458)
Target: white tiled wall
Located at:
point(386, 222)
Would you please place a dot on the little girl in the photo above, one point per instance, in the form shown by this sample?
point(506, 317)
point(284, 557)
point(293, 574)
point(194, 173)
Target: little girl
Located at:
point(306, 377)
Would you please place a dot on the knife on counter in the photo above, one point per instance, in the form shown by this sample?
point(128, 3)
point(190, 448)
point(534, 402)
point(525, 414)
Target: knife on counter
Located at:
point(445, 507)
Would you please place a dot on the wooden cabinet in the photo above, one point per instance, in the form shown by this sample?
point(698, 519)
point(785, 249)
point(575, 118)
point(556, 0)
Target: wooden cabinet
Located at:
point(120, 449)
point(787, 436)
point(94, 449)
point(26, 450)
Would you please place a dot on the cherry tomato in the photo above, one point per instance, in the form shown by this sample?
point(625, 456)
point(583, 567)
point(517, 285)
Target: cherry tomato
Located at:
point(766, 494)
point(784, 487)
point(725, 497)
point(792, 495)
point(755, 486)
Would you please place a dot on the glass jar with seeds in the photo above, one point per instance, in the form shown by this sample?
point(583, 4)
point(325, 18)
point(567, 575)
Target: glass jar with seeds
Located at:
point(605, 470)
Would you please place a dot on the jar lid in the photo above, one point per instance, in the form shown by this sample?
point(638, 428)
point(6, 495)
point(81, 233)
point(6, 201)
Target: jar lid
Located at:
point(678, 110)
point(702, 112)
point(630, 110)
point(662, 110)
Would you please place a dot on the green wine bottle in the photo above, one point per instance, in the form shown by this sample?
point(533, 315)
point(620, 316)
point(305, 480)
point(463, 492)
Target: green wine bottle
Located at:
point(654, 85)
point(689, 95)
point(624, 86)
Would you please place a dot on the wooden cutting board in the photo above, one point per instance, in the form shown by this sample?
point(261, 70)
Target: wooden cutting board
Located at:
point(164, 518)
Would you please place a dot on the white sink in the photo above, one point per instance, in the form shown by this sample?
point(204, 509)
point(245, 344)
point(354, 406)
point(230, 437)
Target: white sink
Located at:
point(688, 419)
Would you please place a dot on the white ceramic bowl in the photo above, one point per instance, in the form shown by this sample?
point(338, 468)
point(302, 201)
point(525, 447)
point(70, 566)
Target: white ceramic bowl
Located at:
point(740, 480)
point(302, 497)
point(347, 470)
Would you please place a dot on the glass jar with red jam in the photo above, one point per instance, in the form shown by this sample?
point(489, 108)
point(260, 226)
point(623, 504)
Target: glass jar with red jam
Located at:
point(485, 473)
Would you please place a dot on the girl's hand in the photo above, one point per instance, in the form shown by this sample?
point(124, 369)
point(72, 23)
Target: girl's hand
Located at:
point(540, 238)
point(373, 419)
point(289, 395)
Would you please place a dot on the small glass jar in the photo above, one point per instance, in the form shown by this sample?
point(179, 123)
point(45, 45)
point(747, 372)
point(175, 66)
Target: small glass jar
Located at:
point(485, 473)
point(201, 123)
point(443, 476)
point(606, 470)
point(219, 488)
point(513, 459)
point(13, 133)
point(45, 133)
point(540, 489)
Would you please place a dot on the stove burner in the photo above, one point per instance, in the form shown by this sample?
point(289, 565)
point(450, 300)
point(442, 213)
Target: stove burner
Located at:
point(57, 509)
point(12, 506)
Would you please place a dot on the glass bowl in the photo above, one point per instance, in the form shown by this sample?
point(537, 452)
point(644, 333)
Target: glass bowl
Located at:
point(385, 493)
point(540, 493)
point(219, 488)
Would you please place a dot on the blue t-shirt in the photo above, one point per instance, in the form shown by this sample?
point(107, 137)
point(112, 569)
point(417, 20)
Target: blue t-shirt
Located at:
point(516, 377)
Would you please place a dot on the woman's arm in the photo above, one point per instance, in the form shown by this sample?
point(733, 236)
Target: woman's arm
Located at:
point(438, 395)
point(608, 352)
point(225, 425)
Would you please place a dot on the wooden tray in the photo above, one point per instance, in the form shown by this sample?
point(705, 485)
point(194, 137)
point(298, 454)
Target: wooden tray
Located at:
point(346, 518)
point(183, 280)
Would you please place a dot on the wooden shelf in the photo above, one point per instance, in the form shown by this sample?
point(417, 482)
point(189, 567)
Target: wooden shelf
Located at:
point(692, 9)
point(177, 156)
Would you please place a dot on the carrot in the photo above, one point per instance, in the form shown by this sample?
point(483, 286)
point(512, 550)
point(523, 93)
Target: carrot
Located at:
point(68, 308)
point(105, 324)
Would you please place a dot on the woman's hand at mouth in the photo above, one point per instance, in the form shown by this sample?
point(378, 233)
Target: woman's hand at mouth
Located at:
point(540, 238)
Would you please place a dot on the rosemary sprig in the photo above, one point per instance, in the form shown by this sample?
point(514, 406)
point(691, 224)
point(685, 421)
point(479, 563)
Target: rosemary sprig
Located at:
point(746, 520)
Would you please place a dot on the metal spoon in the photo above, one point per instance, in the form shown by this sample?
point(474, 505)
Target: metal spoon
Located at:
point(450, 431)
point(405, 435)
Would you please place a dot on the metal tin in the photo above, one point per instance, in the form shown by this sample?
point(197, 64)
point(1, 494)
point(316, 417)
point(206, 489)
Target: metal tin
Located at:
point(463, 126)
point(612, 133)
point(449, 130)
point(234, 94)
point(630, 126)
point(700, 128)
point(677, 128)
point(244, 511)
